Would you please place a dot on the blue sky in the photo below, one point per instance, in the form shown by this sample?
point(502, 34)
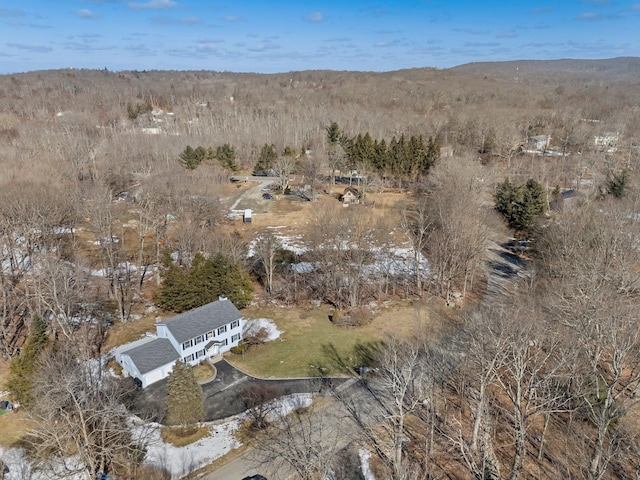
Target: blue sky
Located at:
point(280, 36)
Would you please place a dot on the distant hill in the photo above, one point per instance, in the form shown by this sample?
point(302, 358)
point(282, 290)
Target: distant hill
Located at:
point(620, 70)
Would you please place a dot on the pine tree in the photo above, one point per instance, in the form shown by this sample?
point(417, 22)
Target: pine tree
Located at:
point(226, 155)
point(203, 282)
point(190, 158)
point(230, 280)
point(175, 285)
point(185, 401)
point(334, 134)
point(266, 159)
point(432, 154)
point(617, 183)
point(23, 366)
point(521, 205)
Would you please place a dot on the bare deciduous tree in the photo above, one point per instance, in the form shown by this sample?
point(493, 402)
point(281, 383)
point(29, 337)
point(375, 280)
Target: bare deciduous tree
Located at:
point(266, 249)
point(303, 441)
point(451, 223)
point(588, 275)
point(81, 426)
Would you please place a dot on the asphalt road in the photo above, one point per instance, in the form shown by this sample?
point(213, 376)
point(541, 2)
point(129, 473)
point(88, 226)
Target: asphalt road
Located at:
point(334, 418)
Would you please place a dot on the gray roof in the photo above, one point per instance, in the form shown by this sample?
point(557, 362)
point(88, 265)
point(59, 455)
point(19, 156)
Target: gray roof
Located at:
point(201, 320)
point(152, 355)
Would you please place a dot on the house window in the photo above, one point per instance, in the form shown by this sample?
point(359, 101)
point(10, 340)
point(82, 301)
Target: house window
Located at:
point(222, 329)
point(189, 358)
point(199, 339)
point(186, 345)
point(226, 341)
point(210, 335)
point(235, 338)
point(235, 324)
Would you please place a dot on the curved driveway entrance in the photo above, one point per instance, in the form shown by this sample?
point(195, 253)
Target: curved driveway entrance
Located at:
point(223, 395)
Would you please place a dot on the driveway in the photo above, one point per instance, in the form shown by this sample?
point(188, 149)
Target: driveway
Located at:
point(223, 395)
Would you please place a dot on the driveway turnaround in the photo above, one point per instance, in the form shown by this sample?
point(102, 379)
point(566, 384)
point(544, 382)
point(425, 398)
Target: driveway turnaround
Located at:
point(223, 396)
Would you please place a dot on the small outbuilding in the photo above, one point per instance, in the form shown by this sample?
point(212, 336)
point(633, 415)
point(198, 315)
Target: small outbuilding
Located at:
point(351, 196)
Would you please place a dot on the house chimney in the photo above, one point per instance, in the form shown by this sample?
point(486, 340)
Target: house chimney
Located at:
point(221, 298)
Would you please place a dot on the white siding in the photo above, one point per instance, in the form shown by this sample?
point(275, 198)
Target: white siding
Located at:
point(217, 337)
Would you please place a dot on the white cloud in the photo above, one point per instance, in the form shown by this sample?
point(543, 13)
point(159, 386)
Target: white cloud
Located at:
point(88, 14)
point(315, 17)
point(176, 21)
point(153, 5)
point(32, 47)
point(588, 16)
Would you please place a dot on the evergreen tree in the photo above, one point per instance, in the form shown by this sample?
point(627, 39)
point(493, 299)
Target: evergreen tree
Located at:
point(203, 282)
point(617, 183)
point(521, 204)
point(190, 158)
point(226, 155)
point(231, 280)
point(185, 401)
point(288, 152)
point(23, 366)
point(175, 285)
point(266, 159)
point(432, 154)
point(335, 135)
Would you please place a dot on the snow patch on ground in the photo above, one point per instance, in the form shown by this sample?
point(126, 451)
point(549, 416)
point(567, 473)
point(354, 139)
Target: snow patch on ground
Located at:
point(293, 243)
point(365, 456)
point(180, 461)
point(251, 327)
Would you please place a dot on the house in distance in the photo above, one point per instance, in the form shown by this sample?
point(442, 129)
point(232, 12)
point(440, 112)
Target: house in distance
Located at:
point(199, 334)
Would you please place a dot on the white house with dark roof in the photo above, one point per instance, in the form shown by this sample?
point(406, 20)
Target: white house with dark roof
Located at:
point(192, 337)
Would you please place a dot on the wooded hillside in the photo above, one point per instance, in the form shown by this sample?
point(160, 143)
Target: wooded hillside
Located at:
point(116, 198)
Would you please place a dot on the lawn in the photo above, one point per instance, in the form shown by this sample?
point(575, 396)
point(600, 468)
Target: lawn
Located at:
point(204, 371)
point(121, 333)
point(13, 425)
point(305, 334)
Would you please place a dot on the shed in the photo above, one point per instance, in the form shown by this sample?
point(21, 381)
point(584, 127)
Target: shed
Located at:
point(350, 196)
point(247, 215)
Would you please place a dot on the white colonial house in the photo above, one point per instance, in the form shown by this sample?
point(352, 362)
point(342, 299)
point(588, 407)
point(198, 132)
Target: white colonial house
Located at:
point(192, 337)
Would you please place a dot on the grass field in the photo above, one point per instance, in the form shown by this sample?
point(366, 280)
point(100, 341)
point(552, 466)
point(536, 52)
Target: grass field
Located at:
point(301, 347)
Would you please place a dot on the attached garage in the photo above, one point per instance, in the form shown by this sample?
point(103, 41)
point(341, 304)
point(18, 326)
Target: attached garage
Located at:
point(150, 361)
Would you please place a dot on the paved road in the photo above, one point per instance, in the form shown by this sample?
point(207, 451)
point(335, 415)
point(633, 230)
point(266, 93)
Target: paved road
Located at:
point(331, 415)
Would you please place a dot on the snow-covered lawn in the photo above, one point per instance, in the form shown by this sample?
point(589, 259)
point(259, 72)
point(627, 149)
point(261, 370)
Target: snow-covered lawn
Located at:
point(397, 260)
point(178, 461)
